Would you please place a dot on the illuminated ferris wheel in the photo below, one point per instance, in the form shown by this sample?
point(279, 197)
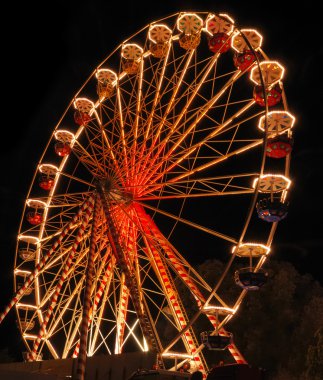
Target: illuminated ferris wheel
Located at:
point(179, 140)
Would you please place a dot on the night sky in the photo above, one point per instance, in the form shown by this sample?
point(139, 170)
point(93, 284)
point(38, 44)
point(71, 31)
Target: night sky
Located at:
point(48, 53)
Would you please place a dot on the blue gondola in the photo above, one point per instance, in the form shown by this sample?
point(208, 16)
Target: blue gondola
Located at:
point(216, 342)
point(249, 280)
point(272, 210)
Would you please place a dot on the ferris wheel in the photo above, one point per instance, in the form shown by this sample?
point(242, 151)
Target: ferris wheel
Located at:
point(178, 141)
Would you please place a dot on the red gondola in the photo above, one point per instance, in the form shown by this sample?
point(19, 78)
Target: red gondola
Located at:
point(46, 182)
point(279, 146)
point(274, 95)
point(62, 148)
point(219, 43)
point(34, 218)
point(243, 61)
point(81, 118)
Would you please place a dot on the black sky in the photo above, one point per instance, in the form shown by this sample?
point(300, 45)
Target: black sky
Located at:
point(48, 53)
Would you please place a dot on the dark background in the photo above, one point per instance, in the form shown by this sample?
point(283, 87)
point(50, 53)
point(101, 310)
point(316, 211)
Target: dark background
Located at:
point(48, 52)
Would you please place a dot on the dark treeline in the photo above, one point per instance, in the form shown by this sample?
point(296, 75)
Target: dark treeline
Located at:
point(279, 327)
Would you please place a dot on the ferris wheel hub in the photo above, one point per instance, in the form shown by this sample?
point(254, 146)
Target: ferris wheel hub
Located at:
point(114, 191)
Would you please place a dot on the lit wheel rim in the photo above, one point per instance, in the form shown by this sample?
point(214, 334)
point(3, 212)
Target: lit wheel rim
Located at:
point(174, 141)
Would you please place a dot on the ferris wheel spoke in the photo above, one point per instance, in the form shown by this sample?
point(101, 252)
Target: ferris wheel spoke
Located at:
point(133, 111)
point(214, 162)
point(123, 261)
point(94, 162)
point(49, 290)
point(69, 200)
point(220, 128)
point(56, 259)
point(56, 320)
point(196, 88)
point(100, 307)
point(177, 259)
point(185, 272)
point(121, 315)
point(88, 159)
point(203, 187)
point(94, 150)
point(57, 290)
point(59, 317)
point(162, 307)
point(139, 96)
point(162, 242)
point(88, 289)
point(52, 349)
point(44, 259)
point(113, 156)
point(122, 130)
point(160, 81)
point(199, 195)
point(189, 223)
point(76, 179)
point(130, 333)
point(176, 307)
point(68, 298)
point(128, 238)
point(234, 184)
point(185, 154)
point(172, 99)
point(143, 271)
point(194, 93)
point(198, 116)
point(65, 296)
point(71, 335)
point(222, 180)
point(103, 143)
point(175, 91)
point(165, 284)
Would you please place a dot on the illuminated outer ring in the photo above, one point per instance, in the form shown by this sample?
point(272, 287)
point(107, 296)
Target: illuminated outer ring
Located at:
point(173, 150)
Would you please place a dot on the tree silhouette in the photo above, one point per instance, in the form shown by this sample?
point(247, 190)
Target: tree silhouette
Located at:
point(314, 360)
point(274, 326)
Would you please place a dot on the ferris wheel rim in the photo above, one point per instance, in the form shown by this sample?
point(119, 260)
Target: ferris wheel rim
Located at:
point(122, 197)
